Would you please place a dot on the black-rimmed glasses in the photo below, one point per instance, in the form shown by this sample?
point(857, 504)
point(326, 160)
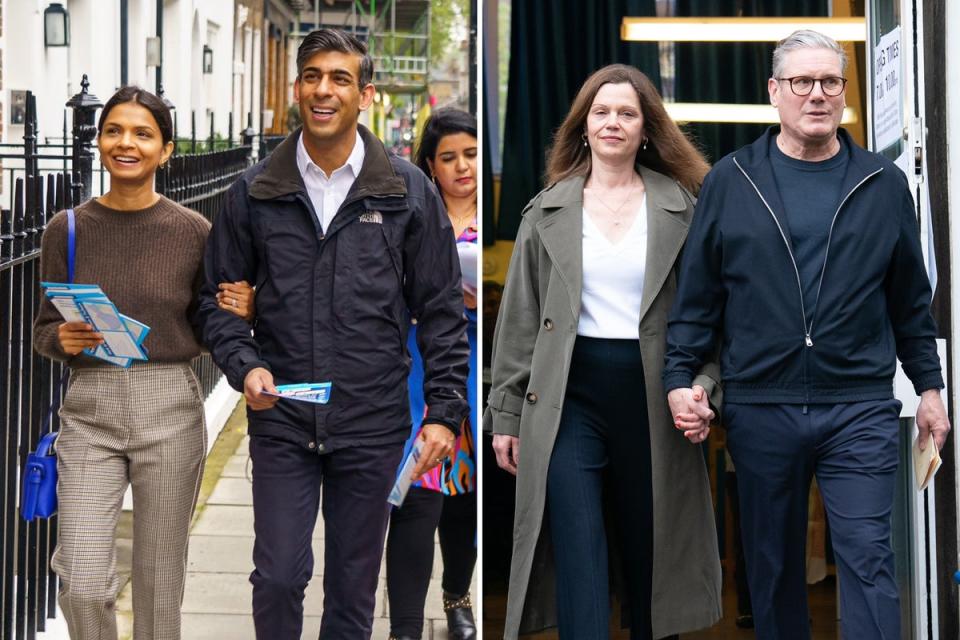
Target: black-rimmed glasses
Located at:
point(803, 85)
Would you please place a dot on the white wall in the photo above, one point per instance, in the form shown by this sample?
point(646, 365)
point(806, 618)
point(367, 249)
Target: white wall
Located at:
point(34, 67)
point(53, 74)
point(188, 26)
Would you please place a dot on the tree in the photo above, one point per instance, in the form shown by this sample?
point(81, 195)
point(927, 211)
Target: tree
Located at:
point(448, 26)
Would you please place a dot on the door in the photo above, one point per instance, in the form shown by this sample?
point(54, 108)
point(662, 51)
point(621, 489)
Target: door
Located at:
point(896, 129)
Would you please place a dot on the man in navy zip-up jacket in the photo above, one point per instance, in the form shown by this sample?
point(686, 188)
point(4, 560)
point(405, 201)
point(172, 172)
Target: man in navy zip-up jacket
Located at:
point(803, 266)
point(342, 241)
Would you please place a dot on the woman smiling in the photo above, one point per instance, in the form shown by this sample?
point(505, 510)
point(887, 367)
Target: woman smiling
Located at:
point(143, 425)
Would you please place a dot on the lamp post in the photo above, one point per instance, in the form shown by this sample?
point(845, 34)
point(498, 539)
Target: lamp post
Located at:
point(84, 106)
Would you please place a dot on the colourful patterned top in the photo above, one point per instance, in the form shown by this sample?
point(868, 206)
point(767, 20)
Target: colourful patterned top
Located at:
point(459, 473)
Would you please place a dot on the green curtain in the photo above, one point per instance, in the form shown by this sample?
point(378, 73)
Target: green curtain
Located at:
point(554, 46)
point(486, 176)
point(730, 72)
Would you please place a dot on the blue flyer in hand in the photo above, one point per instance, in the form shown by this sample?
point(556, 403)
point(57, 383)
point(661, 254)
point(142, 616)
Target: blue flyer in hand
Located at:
point(122, 336)
point(315, 392)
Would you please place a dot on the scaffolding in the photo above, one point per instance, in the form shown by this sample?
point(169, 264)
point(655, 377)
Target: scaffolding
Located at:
point(397, 34)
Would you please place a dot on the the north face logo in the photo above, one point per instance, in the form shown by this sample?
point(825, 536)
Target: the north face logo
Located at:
point(372, 216)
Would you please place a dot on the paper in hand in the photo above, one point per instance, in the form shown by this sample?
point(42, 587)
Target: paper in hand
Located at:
point(469, 254)
point(122, 336)
point(315, 392)
point(925, 463)
point(405, 477)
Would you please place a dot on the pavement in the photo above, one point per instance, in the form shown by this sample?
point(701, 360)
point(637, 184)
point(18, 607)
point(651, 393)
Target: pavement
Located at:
point(216, 603)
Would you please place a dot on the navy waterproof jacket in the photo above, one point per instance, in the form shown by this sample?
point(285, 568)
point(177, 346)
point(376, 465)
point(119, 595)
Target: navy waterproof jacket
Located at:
point(333, 306)
point(739, 286)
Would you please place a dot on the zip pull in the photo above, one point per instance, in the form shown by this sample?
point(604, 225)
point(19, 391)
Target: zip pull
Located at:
point(809, 340)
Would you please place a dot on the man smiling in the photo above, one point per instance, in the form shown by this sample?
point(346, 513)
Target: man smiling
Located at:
point(804, 261)
point(342, 241)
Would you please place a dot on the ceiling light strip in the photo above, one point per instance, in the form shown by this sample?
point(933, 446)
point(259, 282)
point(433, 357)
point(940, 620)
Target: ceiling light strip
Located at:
point(738, 29)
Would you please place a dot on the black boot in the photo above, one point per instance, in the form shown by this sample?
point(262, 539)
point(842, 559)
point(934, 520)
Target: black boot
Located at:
point(460, 623)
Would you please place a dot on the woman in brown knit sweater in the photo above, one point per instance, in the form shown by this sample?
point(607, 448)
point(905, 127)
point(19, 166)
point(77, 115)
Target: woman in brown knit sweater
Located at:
point(142, 425)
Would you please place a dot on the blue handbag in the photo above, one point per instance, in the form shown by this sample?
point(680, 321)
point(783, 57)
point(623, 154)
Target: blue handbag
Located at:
point(40, 472)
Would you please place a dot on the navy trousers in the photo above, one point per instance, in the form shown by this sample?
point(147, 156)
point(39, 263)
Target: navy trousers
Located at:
point(603, 429)
point(853, 451)
point(286, 499)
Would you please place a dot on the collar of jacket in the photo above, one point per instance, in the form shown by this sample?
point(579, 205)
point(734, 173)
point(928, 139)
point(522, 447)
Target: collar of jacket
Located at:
point(754, 159)
point(281, 177)
point(561, 232)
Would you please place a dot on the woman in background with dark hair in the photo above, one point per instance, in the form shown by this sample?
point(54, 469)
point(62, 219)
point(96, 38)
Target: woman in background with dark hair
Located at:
point(142, 425)
point(445, 499)
point(576, 378)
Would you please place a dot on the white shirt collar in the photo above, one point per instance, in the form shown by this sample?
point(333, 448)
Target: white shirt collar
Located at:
point(354, 160)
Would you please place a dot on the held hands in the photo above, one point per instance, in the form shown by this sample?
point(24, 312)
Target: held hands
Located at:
point(237, 298)
point(438, 444)
point(74, 337)
point(932, 419)
point(258, 380)
point(691, 412)
point(508, 452)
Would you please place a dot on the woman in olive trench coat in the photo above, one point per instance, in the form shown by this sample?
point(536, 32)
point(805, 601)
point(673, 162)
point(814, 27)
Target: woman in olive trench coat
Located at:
point(533, 344)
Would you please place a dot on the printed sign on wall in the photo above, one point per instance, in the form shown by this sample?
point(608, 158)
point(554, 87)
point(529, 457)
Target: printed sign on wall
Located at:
point(887, 75)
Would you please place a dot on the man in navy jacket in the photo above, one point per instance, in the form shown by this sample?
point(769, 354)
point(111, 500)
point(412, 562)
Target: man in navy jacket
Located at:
point(342, 242)
point(803, 265)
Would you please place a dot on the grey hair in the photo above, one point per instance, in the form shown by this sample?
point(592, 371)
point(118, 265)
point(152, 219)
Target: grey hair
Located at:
point(805, 39)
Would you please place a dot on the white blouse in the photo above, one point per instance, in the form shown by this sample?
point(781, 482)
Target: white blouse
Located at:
point(613, 280)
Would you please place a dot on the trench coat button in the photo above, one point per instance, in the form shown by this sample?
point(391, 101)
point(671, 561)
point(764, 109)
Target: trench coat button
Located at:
point(320, 448)
point(532, 398)
point(548, 324)
point(311, 445)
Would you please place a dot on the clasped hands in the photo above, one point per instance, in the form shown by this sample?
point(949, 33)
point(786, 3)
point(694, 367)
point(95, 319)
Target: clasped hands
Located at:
point(691, 412)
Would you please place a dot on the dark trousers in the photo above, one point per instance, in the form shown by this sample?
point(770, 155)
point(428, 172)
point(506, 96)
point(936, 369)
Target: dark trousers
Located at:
point(744, 608)
point(457, 531)
point(410, 553)
point(853, 450)
point(286, 499)
point(603, 429)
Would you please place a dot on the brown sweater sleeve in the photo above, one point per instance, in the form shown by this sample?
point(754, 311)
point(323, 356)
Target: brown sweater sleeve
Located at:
point(198, 280)
point(53, 268)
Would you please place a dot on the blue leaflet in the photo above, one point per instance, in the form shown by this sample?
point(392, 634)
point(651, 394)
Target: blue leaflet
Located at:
point(123, 336)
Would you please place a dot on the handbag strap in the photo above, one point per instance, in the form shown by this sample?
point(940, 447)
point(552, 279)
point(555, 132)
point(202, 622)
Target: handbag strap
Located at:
point(55, 403)
point(71, 243)
point(71, 261)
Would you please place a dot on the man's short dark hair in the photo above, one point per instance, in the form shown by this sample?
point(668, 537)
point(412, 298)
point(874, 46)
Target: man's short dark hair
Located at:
point(335, 40)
